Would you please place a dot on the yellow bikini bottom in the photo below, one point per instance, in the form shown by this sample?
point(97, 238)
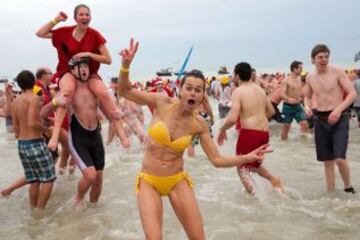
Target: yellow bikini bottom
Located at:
point(163, 185)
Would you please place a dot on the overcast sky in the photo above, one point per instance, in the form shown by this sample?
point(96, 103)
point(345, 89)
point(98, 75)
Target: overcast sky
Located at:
point(268, 34)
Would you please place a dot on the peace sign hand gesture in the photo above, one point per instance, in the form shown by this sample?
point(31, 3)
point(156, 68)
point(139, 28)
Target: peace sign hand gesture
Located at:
point(128, 54)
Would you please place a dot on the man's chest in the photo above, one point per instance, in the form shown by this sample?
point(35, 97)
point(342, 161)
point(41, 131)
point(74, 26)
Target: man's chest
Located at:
point(324, 84)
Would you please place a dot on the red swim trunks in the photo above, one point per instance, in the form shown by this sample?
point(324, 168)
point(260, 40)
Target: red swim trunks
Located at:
point(238, 125)
point(248, 141)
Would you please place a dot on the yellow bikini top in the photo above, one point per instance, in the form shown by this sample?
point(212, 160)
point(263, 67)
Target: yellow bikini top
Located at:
point(160, 133)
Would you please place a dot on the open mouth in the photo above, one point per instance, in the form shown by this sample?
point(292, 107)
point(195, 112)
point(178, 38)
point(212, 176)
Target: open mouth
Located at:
point(191, 101)
point(85, 22)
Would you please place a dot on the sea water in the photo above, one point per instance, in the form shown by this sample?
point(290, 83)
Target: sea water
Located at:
point(306, 212)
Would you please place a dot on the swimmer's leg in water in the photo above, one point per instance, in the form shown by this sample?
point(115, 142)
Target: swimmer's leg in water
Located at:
point(15, 185)
point(274, 180)
point(245, 179)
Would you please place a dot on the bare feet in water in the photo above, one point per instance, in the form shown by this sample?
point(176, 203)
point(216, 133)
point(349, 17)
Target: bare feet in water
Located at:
point(72, 169)
point(61, 170)
point(79, 204)
point(277, 184)
point(5, 193)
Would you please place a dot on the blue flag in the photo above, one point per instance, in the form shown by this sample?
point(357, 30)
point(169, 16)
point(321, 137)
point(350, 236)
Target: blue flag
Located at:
point(182, 69)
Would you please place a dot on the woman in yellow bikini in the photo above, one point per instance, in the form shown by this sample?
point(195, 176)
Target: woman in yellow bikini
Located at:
point(173, 124)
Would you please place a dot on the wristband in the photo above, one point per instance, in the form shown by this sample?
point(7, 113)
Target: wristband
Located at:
point(54, 21)
point(124, 70)
point(54, 103)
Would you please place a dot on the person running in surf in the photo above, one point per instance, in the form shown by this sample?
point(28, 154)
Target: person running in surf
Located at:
point(252, 106)
point(292, 96)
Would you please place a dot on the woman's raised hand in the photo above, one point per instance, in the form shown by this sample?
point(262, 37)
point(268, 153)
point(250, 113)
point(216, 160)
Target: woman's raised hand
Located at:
point(128, 54)
point(61, 17)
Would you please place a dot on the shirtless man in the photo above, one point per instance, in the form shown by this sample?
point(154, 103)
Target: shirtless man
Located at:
point(33, 151)
point(275, 99)
point(250, 103)
point(85, 140)
point(329, 84)
point(292, 96)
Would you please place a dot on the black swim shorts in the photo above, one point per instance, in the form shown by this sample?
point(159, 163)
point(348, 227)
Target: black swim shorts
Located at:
point(331, 140)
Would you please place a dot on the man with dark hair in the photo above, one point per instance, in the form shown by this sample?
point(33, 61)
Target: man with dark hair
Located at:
point(244, 71)
point(33, 151)
point(329, 85)
point(292, 96)
point(252, 106)
point(319, 48)
point(295, 66)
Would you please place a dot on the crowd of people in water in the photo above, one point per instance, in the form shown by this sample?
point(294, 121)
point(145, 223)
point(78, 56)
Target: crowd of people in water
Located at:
point(56, 119)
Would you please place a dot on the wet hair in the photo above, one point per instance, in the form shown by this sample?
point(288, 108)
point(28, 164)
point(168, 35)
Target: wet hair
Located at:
point(294, 65)
point(243, 69)
point(26, 80)
point(319, 48)
point(76, 9)
point(193, 73)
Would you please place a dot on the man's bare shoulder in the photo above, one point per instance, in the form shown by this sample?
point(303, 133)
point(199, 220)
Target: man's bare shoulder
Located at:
point(310, 76)
point(23, 100)
point(293, 79)
point(285, 81)
point(259, 89)
point(337, 70)
point(33, 99)
point(237, 90)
